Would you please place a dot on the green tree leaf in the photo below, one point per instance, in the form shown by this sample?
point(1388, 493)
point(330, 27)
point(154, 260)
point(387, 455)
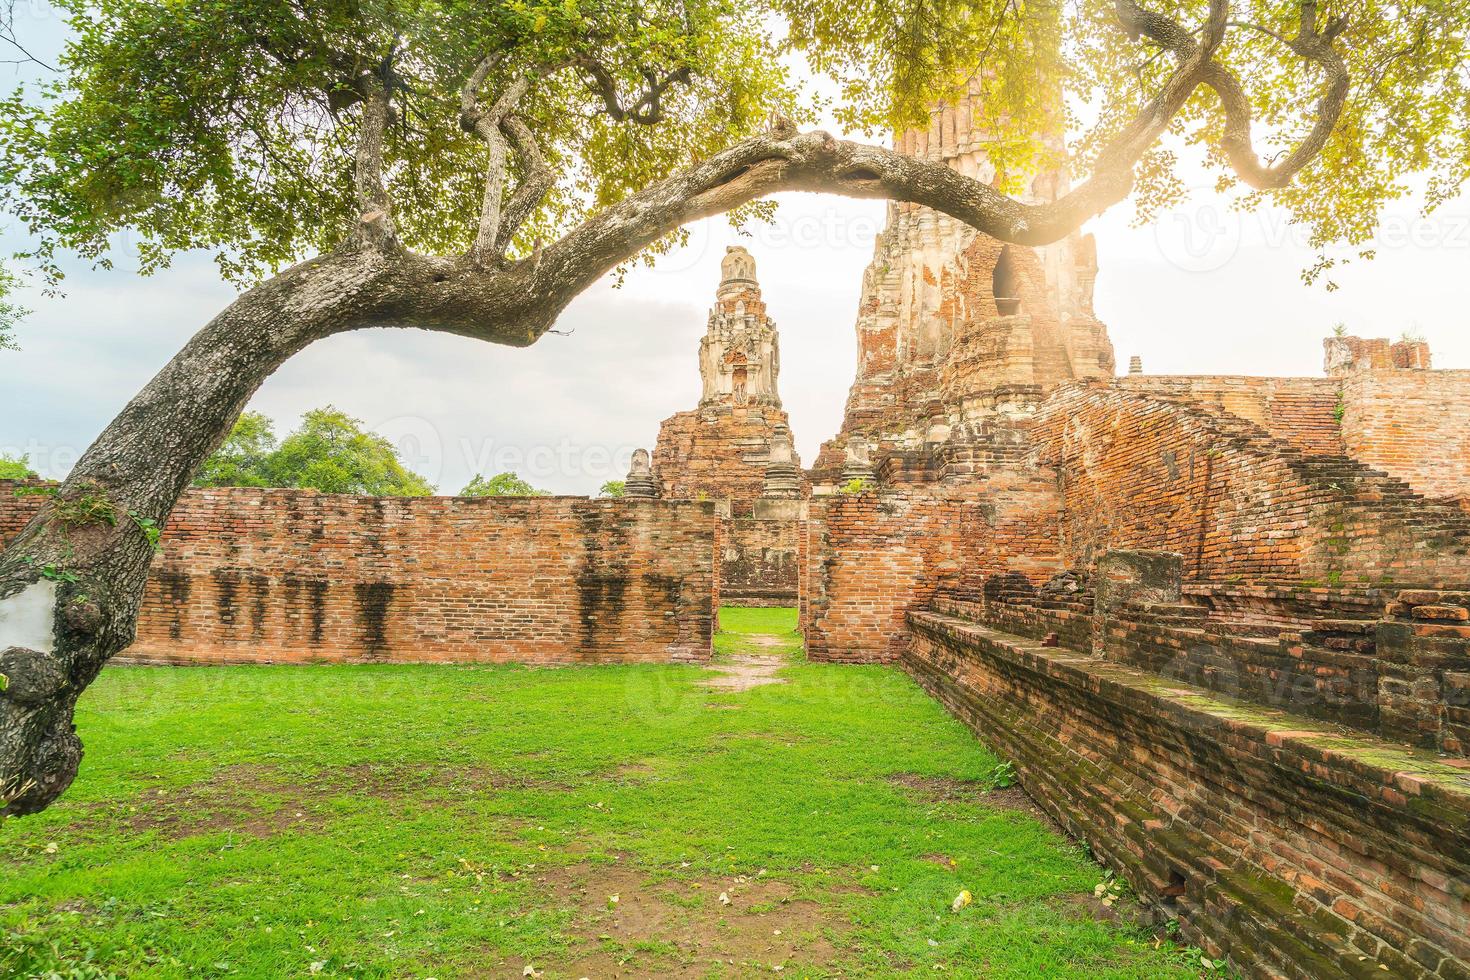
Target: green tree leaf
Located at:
point(10, 314)
point(16, 468)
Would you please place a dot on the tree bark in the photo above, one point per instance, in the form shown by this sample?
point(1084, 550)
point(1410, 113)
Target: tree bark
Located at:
point(86, 552)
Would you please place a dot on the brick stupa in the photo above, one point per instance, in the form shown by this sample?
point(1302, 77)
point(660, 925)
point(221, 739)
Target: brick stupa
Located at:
point(721, 450)
point(955, 329)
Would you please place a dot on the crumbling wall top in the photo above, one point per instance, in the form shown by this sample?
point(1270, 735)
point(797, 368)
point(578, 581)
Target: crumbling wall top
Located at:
point(1344, 355)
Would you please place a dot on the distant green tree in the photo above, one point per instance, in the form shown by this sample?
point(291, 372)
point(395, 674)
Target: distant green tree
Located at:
point(501, 485)
point(244, 458)
point(328, 451)
point(613, 488)
point(16, 468)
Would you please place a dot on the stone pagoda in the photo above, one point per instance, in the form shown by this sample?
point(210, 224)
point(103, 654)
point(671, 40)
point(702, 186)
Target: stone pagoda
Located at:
point(722, 449)
point(957, 332)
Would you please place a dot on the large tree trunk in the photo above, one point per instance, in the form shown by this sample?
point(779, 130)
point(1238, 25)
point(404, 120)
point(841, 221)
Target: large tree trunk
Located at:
point(71, 583)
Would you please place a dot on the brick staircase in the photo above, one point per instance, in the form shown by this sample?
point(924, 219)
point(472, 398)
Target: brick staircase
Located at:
point(1051, 361)
point(1364, 491)
point(1307, 419)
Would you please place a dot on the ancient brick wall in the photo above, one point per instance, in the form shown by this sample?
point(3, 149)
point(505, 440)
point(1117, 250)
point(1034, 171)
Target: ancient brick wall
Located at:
point(1422, 653)
point(16, 506)
point(759, 561)
point(1343, 355)
point(873, 557)
point(1293, 848)
point(1278, 836)
point(1301, 412)
point(1411, 424)
point(1140, 471)
point(282, 575)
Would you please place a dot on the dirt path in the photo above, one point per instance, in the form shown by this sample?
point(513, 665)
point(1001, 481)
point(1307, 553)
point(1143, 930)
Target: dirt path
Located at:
point(744, 671)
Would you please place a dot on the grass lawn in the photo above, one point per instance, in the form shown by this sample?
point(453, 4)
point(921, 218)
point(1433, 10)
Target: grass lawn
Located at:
point(431, 821)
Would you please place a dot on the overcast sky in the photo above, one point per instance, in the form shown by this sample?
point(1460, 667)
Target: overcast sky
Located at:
point(1204, 291)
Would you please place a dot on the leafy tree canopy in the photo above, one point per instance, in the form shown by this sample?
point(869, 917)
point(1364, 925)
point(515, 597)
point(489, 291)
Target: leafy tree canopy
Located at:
point(230, 125)
point(243, 459)
point(16, 468)
point(329, 452)
point(613, 488)
point(501, 485)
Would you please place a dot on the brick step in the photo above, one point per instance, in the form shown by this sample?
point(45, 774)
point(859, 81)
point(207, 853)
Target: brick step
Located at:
point(1332, 648)
point(1187, 610)
point(1243, 629)
point(1357, 626)
point(1365, 495)
point(1263, 646)
point(1064, 604)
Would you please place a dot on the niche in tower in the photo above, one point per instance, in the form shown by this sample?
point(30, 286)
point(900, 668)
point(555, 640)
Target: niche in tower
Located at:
point(1005, 284)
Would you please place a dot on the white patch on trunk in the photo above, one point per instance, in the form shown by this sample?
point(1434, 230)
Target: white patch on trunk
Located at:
point(27, 618)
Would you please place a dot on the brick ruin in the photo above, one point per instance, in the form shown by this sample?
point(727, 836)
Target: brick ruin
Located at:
point(1219, 624)
point(296, 576)
point(736, 450)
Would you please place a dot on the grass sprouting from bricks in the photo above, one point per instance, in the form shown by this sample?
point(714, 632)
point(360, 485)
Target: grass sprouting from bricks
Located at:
point(433, 821)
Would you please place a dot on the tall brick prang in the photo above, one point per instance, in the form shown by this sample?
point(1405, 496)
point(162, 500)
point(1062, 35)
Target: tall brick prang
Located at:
point(950, 317)
point(736, 447)
point(720, 450)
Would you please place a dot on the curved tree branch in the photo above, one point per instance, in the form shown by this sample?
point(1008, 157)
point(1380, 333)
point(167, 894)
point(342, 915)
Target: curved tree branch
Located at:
point(648, 110)
point(1312, 45)
point(783, 161)
point(537, 179)
point(485, 123)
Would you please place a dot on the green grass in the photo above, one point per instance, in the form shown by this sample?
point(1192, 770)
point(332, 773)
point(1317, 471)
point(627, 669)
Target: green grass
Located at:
point(781, 622)
point(429, 821)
